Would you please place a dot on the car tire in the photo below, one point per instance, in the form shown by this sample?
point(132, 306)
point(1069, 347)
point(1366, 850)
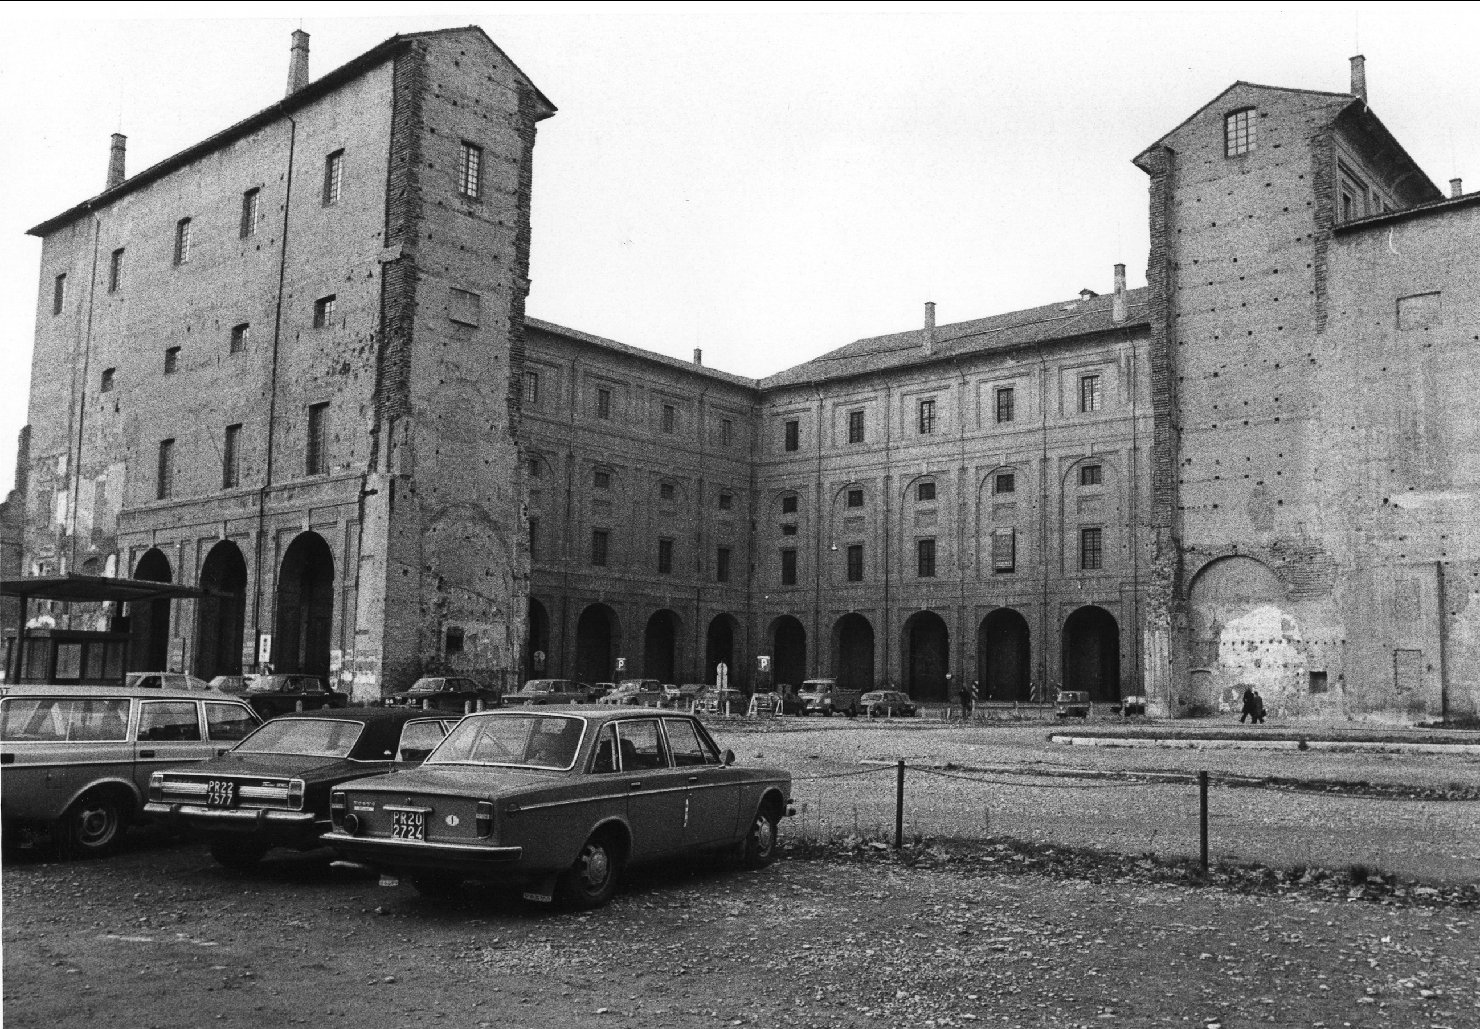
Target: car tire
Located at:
point(876, 711)
point(591, 880)
point(94, 825)
point(759, 848)
point(238, 855)
point(436, 886)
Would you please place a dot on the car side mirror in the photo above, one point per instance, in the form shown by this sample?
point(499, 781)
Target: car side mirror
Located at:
point(728, 757)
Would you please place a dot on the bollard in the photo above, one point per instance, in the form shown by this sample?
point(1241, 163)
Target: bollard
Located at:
point(467, 707)
point(899, 805)
point(298, 706)
point(1202, 804)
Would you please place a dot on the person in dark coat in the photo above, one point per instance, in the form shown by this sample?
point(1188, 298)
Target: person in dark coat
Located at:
point(968, 698)
point(1251, 706)
point(1258, 708)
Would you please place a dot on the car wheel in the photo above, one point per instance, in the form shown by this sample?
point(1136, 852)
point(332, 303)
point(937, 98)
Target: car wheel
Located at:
point(94, 825)
point(592, 880)
point(240, 855)
point(436, 886)
point(876, 711)
point(759, 848)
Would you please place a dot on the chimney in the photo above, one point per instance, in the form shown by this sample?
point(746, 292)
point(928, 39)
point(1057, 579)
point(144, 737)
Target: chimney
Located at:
point(115, 159)
point(298, 62)
point(698, 356)
point(1456, 187)
point(1359, 77)
point(929, 326)
point(1117, 305)
point(1087, 294)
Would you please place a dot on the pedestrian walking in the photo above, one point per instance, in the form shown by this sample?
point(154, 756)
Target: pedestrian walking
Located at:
point(1258, 708)
point(968, 698)
point(1251, 709)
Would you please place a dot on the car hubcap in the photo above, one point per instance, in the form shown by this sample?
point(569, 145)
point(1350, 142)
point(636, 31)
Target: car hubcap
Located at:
point(765, 835)
point(96, 825)
point(597, 866)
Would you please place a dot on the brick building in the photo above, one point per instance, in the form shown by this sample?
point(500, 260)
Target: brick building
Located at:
point(291, 365)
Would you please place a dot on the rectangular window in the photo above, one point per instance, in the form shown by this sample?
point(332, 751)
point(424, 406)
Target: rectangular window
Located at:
point(106, 386)
point(726, 501)
point(855, 426)
point(1239, 132)
point(855, 498)
point(1090, 475)
point(1091, 549)
point(788, 567)
point(115, 271)
point(726, 432)
point(927, 417)
point(323, 311)
point(604, 404)
point(600, 541)
point(534, 539)
point(171, 360)
point(670, 418)
point(601, 479)
point(666, 491)
point(1004, 550)
point(182, 241)
point(1005, 397)
point(59, 294)
point(793, 434)
point(249, 212)
point(925, 491)
point(231, 457)
point(665, 557)
point(789, 504)
point(470, 171)
point(1004, 482)
point(855, 562)
point(1089, 393)
point(722, 564)
point(789, 529)
point(533, 468)
point(239, 334)
point(925, 558)
point(333, 177)
point(532, 389)
point(164, 473)
point(465, 307)
point(316, 457)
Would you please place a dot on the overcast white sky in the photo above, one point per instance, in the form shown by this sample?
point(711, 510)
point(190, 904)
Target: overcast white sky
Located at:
point(765, 182)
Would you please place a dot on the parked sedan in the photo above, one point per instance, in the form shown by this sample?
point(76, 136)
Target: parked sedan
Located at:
point(272, 695)
point(541, 692)
point(177, 681)
point(272, 788)
point(451, 693)
point(560, 802)
point(887, 704)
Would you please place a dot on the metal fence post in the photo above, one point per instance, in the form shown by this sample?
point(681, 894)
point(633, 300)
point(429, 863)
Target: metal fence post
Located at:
point(899, 805)
point(1202, 804)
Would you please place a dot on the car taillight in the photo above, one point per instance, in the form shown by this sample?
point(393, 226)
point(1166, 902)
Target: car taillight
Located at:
point(338, 806)
point(156, 786)
point(295, 794)
point(485, 819)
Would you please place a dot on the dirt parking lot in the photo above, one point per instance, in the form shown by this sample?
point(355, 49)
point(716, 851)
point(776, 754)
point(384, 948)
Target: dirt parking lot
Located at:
point(161, 936)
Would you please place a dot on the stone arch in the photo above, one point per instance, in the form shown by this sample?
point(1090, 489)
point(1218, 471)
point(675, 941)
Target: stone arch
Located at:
point(788, 650)
point(220, 615)
point(1004, 656)
point(925, 649)
point(149, 620)
point(719, 645)
point(598, 636)
point(537, 658)
point(1242, 628)
point(1091, 654)
point(660, 646)
point(305, 607)
point(853, 652)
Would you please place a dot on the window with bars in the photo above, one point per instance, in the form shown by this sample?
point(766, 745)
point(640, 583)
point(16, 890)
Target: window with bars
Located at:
point(182, 241)
point(333, 177)
point(1240, 132)
point(532, 389)
point(231, 457)
point(600, 546)
point(115, 271)
point(789, 567)
point(239, 335)
point(164, 473)
point(315, 451)
point(925, 558)
point(1090, 475)
point(793, 432)
point(927, 417)
point(855, 562)
point(1006, 397)
point(665, 557)
point(722, 564)
point(1089, 393)
point(855, 426)
point(470, 171)
point(250, 206)
point(924, 492)
point(59, 294)
point(1091, 549)
point(1004, 482)
point(323, 311)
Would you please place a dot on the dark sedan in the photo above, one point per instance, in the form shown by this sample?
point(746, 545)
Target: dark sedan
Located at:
point(279, 694)
point(448, 693)
point(272, 788)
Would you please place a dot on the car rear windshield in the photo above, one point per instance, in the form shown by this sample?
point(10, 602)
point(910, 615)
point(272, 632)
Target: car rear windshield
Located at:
point(311, 737)
point(513, 740)
point(63, 719)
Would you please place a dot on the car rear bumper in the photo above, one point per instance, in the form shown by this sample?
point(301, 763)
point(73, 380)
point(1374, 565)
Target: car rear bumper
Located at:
point(266, 820)
point(471, 858)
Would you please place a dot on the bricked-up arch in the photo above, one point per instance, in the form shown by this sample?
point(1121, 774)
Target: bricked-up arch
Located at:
point(719, 645)
point(537, 656)
point(1242, 628)
point(598, 634)
point(1004, 656)
point(660, 647)
point(305, 607)
point(788, 651)
point(1091, 654)
point(220, 615)
point(149, 621)
point(853, 652)
point(925, 652)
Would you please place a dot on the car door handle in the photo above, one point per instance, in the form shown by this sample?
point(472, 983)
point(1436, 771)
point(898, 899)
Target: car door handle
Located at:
point(693, 778)
point(635, 784)
point(146, 753)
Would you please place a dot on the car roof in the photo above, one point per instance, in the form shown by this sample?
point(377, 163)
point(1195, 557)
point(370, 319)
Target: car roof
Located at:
point(590, 712)
point(117, 692)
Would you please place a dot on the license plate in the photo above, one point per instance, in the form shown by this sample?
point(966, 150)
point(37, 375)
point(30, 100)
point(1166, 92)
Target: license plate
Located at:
point(408, 825)
point(220, 793)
